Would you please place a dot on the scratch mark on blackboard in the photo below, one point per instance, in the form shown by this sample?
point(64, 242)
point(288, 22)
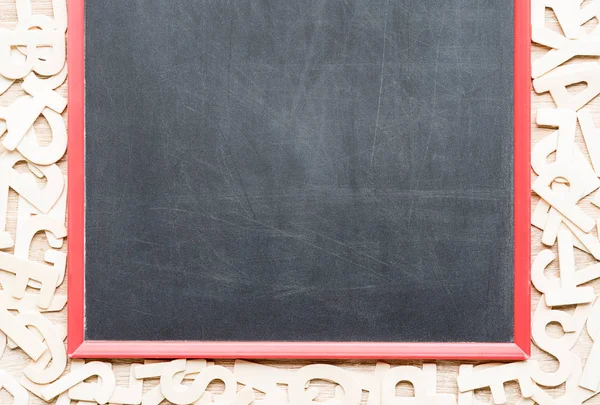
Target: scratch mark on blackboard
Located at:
point(195, 159)
point(295, 291)
point(106, 304)
point(387, 3)
point(298, 238)
point(141, 312)
point(171, 209)
point(146, 242)
point(344, 245)
point(251, 213)
point(199, 214)
point(423, 162)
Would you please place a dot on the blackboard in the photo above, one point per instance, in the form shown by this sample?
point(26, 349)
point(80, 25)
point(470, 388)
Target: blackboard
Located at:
point(300, 171)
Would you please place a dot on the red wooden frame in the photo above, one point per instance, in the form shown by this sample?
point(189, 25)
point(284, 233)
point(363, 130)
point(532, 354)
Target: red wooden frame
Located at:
point(78, 347)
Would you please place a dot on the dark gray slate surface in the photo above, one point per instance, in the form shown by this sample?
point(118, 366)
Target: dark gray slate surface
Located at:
point(299, 170)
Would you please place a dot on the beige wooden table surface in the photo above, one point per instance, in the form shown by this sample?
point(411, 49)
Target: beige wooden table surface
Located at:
point(14, 361)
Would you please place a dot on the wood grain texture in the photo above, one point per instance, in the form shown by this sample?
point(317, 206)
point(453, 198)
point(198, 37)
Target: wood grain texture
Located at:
point(14, 361)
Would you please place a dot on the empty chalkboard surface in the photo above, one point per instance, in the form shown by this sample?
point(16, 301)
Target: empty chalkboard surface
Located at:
point(299, 178)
